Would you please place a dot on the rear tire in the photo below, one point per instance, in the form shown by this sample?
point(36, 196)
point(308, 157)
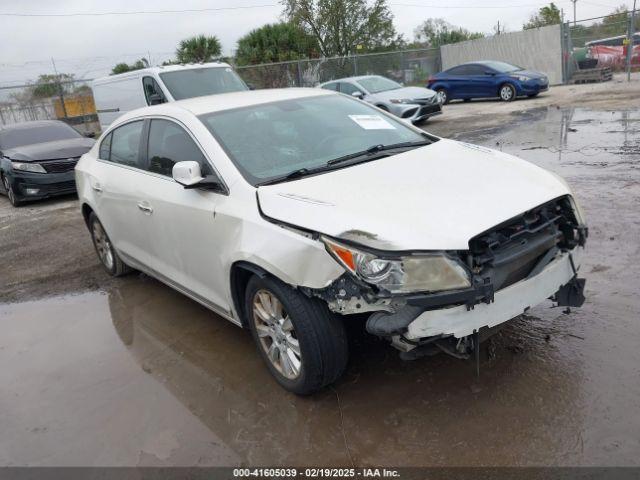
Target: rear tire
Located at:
point(443, 95)
point(303, 344)
point(108, 256)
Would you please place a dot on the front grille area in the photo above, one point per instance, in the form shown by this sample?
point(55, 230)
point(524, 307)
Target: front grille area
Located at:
point(60, 166)
point(429, 109)
point(510, 251)
point(62, 187)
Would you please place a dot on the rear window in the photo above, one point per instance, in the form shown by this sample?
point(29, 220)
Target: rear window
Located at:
point(38, 133)
point(198, 82)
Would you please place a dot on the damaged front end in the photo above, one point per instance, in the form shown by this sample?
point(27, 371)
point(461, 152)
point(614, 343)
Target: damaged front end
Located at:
point(419, 300)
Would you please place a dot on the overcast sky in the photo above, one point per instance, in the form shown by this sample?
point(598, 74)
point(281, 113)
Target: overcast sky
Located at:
point(88, 46)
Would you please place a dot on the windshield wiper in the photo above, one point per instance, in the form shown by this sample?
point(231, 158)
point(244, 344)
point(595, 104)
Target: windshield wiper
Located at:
point(369, 152)
point(301, 172)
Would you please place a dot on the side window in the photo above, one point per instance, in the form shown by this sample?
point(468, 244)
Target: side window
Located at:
point(348, 88)
point(331, 86)
point(105, 148)
point(169, 143)
point(461, 70)
point(125, 144)
point(475, 70)
point(152, 91)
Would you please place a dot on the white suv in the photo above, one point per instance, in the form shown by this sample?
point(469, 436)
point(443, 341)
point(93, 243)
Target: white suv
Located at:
point(288, 211)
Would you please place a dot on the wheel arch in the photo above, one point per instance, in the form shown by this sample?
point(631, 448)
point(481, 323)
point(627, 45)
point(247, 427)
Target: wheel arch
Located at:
point(239, 276)
point(86, 212)
point(507, 82)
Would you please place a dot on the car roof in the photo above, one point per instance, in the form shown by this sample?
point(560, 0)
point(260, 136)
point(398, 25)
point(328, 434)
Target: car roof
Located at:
point(29, 124)
point(228, 101)
point(161, 69)
point(344, 79)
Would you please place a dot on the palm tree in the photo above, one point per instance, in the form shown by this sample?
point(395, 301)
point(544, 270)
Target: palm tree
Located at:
point(198, 49)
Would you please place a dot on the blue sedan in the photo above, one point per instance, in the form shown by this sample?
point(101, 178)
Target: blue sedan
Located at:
point(488, 79)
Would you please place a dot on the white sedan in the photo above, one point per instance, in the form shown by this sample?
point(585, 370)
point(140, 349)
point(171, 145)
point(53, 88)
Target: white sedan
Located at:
point(288, 211)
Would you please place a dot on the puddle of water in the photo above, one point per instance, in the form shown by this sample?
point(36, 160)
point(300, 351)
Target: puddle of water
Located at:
point(142, 375)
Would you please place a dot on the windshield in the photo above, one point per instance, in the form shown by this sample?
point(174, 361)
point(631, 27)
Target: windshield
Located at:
point(198, 82)
point(274, 139)
point(378, 84)
point(503, 67)
point(29, 135)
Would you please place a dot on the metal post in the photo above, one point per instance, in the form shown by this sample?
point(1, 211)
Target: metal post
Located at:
point(630, 32)
point(299, 73)
point(60, 89)
point(574, 11)
point(355, 64)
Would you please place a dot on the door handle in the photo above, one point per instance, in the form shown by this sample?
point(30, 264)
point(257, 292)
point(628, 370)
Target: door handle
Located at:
point(145, 207)
point(96, 186)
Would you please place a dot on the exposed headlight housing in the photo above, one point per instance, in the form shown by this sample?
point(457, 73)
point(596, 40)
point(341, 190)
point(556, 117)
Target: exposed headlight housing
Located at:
point(420, 272)
point(28, 167)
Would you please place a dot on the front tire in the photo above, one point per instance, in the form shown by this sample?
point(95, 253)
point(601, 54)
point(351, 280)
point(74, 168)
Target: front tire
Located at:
point(507, 92)
point(11, 195)
point(108, 256)
point(303, 344)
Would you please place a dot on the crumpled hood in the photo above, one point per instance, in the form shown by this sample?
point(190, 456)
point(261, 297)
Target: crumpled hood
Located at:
point(405, 92)
point(73, 147)
point(436, 197)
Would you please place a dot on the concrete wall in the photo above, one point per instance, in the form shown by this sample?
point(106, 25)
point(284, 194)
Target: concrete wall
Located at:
point(536, 49)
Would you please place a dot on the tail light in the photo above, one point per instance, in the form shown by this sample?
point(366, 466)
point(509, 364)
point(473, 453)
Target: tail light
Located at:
point(431, 79)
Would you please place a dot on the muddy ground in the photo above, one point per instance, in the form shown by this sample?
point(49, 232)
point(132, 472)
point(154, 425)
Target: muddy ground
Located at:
point(128, 372)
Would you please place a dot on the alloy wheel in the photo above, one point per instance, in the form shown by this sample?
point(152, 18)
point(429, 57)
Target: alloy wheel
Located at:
point(103, 245)
point(276, 334)
point(442, 96)
point(506, 93)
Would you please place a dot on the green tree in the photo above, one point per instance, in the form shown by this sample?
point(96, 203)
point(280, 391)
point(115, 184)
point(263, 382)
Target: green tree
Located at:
point(345, 27)
point(547, 15)
point(198, 49)
point(125, 67)
point(616, 22)
point(437, 31)
point(49, 85)
point(277, 42)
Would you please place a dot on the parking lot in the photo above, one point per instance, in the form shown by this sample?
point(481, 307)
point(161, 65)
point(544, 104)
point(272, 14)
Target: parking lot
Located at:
point(102, 371)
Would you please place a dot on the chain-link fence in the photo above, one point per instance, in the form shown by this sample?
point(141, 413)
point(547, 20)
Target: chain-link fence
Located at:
point(411, 67)
point(67, 100)
point(602, 42)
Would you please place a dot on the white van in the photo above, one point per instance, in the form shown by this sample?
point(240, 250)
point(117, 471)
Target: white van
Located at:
point(115, 95)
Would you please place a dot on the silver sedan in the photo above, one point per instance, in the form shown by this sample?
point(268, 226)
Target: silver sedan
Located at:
point(413, 104)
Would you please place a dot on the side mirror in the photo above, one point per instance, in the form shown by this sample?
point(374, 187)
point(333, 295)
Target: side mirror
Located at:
point(358, 95)
point(90, 134)
point(155, 99)
point(187, 174)
point(251, 87)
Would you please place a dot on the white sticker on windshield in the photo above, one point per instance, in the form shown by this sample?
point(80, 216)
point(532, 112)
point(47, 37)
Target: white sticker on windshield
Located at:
point(372, 122)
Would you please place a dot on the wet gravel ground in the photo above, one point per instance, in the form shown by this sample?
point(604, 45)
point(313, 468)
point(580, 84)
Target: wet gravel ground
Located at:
point(129, 372)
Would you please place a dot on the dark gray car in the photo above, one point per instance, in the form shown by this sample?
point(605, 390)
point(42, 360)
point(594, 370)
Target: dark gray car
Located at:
point(37, 159)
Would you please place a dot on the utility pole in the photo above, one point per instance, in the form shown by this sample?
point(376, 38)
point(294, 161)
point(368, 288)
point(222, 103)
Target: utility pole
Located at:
point(60, 89)
point(574, 11)
point(630, 32)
